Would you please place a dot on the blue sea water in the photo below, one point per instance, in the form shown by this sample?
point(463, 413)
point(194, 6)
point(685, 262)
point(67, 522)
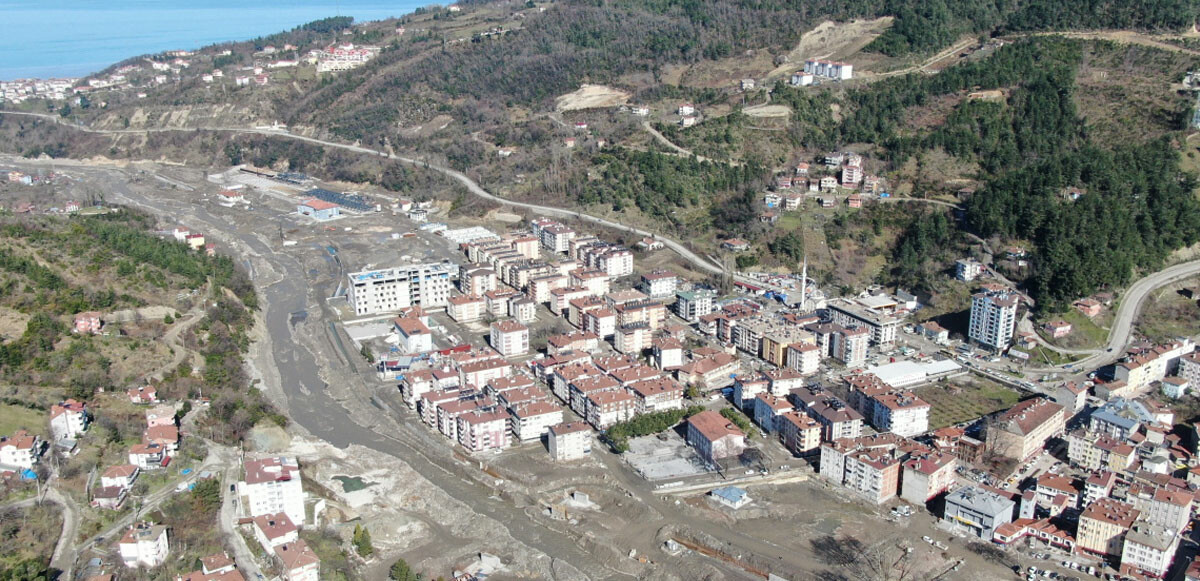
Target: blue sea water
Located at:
point(61, 38)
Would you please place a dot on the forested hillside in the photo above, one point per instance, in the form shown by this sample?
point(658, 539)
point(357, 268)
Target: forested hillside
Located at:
point(1022, 119)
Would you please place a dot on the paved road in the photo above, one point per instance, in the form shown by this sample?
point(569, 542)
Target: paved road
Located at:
point(242, 553)
point(471, 185)
point(1131, 306)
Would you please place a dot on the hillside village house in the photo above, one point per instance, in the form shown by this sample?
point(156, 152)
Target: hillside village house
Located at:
point(299, 562)
point(20, 451)
point(144, 545)
point(88, 322)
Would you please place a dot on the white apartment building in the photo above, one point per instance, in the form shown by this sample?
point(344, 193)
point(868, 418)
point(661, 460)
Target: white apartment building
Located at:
point(967, 269)
point(389, 290)
point(466, 308)
point(804, 357)
point(20, 450)
point(68, 419)
point(850, 345)
point(510, 338)
point(1189, 368)
point(691, 305)
point(557, 237)
point(993, 317)
point(659, 284)
point(570, 441)
point(531, 420)
point(144, 545)
point(878, 313)
point(1149, 550)
point(903, 414)
point(273, 485)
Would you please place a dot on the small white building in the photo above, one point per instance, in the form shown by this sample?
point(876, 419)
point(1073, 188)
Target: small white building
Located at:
point(730, 496)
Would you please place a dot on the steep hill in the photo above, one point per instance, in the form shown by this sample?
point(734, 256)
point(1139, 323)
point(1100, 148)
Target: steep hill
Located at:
point(936, 105)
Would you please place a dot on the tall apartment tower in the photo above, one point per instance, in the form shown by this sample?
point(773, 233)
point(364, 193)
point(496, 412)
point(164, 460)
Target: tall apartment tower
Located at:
point(993, 317)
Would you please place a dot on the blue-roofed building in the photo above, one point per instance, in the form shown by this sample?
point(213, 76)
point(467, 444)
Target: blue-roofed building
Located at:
point(1120, 418)
point(731, 496)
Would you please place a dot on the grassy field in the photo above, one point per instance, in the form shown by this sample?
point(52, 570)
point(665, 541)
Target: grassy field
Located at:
point(13, 418)
point(959, 401)
point(1168, 314)
point(1085, 333)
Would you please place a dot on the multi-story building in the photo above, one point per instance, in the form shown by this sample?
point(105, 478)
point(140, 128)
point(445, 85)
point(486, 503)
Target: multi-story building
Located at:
point(274, 485)
point(510, 338)
point(902, 413)
point(659, 283)
point(299, 563)
point(656, 394)
point(838, 420)
point(691, 305)
point(477, 280)
point(531, 420)
point(967, 269)
point(1149, 550)
point(466, 308)
point(767, 408)
point(570, 441)
point(1024, 429)
point(880, 314)
point(20, 450)
point(1072, 396)
point(1189, 368)
point(799, 433)
point(1170, 508)
point(714, 437)
point(144, 545)
point(850, 345)
point(1103, 526)
point(483, 429)
point(556, 237)
point(979, 511)
point(389, 290)
point(804, 357)
point(68, 419)
point(415, 337)
point(1142, 369)
point(606, 408)
point(993, 317)
point(926, 476)
point(272, 530)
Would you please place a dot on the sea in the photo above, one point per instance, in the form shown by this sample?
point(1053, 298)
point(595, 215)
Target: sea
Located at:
point(72, 38)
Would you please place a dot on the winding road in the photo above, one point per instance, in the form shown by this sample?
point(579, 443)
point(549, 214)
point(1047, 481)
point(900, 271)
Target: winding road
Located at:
point(470, 184)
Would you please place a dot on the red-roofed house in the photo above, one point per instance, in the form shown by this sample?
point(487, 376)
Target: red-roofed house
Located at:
point(714, 437)
point(299, 562)
point(273, 530)
point(68, 419)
